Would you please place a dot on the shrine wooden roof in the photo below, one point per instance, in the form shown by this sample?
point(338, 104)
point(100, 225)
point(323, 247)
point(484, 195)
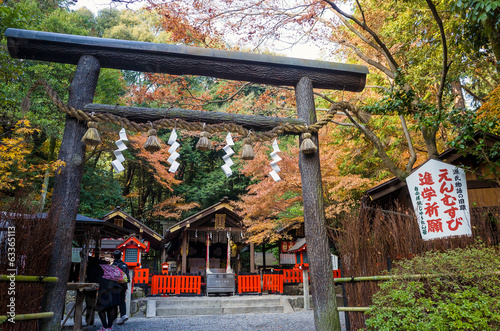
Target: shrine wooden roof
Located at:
point(203, 221)
point(136, 226)
point(394, 189)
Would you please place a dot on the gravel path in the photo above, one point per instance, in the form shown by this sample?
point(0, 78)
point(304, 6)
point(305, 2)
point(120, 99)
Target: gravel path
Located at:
point(298, 321)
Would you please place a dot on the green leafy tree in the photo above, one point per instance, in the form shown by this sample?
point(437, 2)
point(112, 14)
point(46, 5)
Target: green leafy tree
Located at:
point(100, 193)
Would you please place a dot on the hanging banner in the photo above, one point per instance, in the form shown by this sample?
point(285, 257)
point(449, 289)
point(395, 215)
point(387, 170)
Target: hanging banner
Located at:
point(439, 194)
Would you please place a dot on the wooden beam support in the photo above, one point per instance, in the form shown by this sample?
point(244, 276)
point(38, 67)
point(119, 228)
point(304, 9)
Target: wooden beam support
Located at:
point(184, 60)
point(144, 115)
point(66, 194)
point(184, 252)
point(326, 317)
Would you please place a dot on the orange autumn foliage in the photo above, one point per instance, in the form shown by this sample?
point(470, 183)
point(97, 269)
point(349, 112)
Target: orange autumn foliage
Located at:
point(16, 171)
point(155, 163)
point(271, 206)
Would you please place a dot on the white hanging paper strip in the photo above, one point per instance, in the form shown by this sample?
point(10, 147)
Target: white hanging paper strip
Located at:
point(227, 158)
point(275, 167)
point(275, 176)
point(229, 139)
point(119, 156)
point(173, 157)
point(274, 155)
point(174, 165)
point(117, 164)
point(275, 146)
point(172, 138)
point(227, 170)
point(121, 145)
point(174, 146)
point(123, 135)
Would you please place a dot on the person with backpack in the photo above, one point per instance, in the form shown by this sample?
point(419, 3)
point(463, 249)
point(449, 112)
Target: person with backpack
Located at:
point(117, 255)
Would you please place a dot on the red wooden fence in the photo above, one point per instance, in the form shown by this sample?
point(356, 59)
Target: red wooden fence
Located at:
point(292, 276)
point(141, 276)
point(168, 284)
point(249, 283)
point(273, 283)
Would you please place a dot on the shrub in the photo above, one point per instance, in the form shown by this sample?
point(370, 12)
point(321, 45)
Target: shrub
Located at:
point(457, 290)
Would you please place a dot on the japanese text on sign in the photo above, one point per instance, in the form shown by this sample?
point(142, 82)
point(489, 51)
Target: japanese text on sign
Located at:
point(439, 194)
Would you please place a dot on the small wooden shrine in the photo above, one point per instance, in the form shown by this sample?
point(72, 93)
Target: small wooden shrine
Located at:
point(208, 240)
point(132, 249)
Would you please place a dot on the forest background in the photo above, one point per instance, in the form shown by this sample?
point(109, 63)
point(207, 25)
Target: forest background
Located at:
point(433, 82)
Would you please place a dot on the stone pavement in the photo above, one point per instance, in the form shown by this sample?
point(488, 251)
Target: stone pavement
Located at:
point(298, 321)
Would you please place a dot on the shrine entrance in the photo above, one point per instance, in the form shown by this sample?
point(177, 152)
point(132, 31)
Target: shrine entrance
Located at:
point(90, 54)
point(207, 242)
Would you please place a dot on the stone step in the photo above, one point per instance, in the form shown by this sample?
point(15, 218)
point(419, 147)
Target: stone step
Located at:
point(171, 312)
point(251, 302)
point(223, 303)
point(253, 310)
point(217, 306)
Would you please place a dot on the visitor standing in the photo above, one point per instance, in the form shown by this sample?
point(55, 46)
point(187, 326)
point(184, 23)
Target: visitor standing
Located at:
point(117, 255)
point(108, 295)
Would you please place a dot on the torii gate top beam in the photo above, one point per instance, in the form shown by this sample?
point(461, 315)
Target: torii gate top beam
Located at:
point(184, 60)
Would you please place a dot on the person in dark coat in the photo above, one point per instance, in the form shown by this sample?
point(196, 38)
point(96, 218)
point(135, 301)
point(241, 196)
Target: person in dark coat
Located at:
point(108, 295)
point(117, 255)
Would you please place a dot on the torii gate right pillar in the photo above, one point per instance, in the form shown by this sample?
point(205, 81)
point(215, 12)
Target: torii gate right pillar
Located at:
point(326, 317)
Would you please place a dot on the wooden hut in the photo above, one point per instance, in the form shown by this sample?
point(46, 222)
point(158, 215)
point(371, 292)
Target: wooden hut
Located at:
point(208, 240)
point(143, 233)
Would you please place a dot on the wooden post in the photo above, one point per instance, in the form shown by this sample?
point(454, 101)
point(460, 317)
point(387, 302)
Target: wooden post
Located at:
point(252, 257)
point(66, 194)
point(80, 295)
point(305, 282)
point(326, 317)
point(184, 252)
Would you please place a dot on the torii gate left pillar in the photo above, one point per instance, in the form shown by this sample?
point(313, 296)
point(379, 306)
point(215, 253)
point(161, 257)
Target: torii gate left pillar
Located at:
point(66, 194)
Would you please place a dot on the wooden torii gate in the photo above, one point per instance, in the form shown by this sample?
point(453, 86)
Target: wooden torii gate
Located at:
point(90, 54)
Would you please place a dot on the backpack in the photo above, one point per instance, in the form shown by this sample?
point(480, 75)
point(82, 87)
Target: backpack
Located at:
point(123, 267)
point(113, 273)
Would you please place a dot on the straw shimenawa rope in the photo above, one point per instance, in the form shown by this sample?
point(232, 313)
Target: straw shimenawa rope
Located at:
point(181, 124)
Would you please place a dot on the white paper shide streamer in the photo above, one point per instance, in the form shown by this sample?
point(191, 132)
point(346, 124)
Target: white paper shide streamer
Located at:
point(227, 158)
point(274, 163)
point(172, 141)
point(117, 164)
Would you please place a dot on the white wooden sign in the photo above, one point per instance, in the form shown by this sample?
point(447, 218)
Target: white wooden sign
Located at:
point(438, 191)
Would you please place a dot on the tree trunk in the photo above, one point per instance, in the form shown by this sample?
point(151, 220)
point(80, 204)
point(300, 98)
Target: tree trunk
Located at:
point(326, 316)
point(429, 135)
point(66, 196)
point(458, 96)
point(493, 32)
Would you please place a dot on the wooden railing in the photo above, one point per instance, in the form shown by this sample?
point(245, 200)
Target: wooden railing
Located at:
point(170, 284)
point(292, 276)
point(141, 276)
point(249, 284)
point(273, 282)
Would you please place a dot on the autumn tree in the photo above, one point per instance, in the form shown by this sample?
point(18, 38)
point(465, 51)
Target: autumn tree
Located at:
point(413, 63)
